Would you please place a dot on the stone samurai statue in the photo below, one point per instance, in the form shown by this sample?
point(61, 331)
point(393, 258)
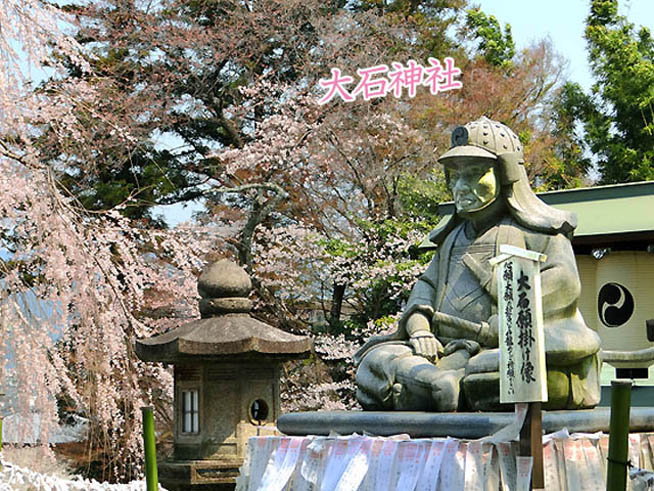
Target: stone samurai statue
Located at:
point(444, 355)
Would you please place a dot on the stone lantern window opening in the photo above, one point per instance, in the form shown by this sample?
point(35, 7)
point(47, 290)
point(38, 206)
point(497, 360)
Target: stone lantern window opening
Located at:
point(258, 411)
point(190, 411)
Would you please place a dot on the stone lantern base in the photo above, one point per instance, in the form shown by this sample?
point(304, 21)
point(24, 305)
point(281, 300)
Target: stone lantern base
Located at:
point(215, 473)
point(199, 475)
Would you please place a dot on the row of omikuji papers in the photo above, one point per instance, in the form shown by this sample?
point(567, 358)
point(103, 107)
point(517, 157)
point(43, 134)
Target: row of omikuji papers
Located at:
point(571, 462)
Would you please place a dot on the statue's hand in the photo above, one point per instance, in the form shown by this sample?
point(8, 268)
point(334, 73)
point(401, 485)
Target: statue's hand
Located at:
point(422, 340)
point(417, 322)
point(425, 344)
point(469, 345)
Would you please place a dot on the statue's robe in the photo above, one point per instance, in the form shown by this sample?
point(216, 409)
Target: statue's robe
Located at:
point(461, 282)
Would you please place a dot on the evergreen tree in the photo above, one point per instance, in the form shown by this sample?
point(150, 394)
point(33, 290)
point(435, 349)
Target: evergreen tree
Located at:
point(618, 115)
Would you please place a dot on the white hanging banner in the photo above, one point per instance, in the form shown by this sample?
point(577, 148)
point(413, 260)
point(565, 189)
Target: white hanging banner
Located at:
point(282, 464)
point(523, 376)
point(357, 467)
point(432, 468)
point(474, 467)
point(383, 470)
point(410, 463)
point(507, 459)
point(524, 466)
point(343, 450)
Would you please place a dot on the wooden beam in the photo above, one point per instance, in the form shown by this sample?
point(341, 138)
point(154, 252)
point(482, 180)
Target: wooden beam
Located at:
point(531, 443)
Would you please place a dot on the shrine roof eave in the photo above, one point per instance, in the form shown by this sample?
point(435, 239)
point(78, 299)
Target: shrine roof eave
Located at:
point(608, 212)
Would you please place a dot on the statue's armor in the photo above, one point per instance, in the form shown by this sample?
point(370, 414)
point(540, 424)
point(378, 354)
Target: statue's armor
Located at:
point(464, 296)
point(460, 281)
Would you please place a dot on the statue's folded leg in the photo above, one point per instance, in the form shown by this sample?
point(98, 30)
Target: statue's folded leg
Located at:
point(569, 387)
point(392, 377)
point(375, 376)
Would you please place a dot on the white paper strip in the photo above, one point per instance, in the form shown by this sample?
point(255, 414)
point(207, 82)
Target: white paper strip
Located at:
point(358, 457)
point(634, 449)
point(431, 471)
point(508, 471)
point(312, 461)
point(490, 466)
point(550, 469)
point(523, 467)
point(453, 466)
point(262, 449)
point(474, 470)
point(297, 482)
point(370, 479)
point(410, 462)
point(285, 459)
point(382, 472)
point(341, 452)
point(574, 460)
point(593, 469)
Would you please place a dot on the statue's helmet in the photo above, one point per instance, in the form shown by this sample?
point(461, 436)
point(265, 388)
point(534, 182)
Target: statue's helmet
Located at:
point(494, 142)
point(482, 139)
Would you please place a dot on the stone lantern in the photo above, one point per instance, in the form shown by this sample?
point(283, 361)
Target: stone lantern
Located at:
point(227, 371)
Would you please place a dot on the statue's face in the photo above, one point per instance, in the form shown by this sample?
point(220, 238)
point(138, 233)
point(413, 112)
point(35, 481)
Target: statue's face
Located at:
point(474, 185)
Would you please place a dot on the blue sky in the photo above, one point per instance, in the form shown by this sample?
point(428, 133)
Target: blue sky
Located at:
point(564, 22)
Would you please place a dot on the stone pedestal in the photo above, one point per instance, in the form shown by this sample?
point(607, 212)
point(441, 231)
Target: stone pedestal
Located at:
point(456, 425)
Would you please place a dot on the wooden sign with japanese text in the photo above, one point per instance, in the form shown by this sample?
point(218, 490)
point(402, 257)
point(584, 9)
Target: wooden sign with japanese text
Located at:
point(523, 376)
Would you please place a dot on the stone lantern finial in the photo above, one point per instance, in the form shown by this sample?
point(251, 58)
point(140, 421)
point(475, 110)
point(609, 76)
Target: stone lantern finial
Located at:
point(224, 287)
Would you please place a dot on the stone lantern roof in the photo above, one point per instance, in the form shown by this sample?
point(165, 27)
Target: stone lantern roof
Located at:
point(226, 329)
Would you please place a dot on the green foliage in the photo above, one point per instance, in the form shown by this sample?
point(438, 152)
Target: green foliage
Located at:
point(570, 161)
point(383, 262)
point(496, 46)
point(382, 267)
point(386, 230)
point(618, 116)
point(339, 248)
point(420, 197)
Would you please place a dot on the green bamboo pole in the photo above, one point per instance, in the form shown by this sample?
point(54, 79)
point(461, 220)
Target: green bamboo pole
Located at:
point(616, 476)
point(151, 478)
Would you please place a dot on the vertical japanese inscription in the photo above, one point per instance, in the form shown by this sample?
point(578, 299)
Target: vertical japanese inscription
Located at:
point(507, 278)
point(524, 323)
